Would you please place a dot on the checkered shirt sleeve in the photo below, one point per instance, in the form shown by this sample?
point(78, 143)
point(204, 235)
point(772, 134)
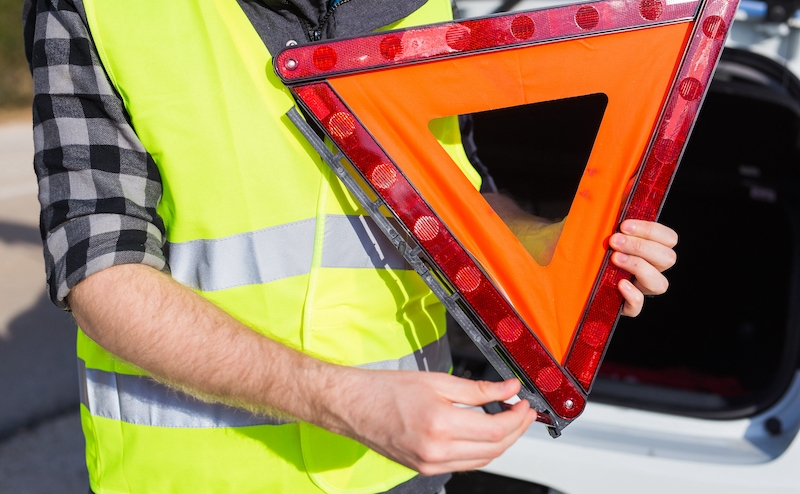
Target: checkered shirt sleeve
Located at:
point(98, 187)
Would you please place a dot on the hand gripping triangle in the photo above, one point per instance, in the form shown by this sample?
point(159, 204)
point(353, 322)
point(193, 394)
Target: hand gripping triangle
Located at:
point(375, 96)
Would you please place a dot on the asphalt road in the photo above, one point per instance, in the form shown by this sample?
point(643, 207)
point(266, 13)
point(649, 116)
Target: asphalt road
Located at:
point(41, 446)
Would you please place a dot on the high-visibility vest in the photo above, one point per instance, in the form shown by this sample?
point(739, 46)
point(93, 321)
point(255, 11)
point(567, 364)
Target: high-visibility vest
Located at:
point(260, 226)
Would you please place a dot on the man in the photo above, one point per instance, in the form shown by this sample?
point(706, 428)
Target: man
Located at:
point(163, 154)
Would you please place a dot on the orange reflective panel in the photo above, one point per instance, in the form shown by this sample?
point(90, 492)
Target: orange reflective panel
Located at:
point(649, 63)
point(633, 69)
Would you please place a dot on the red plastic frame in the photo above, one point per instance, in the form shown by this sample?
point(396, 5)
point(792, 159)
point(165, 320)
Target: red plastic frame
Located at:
point(436, 41)
point(564, 388)
point(655, 177)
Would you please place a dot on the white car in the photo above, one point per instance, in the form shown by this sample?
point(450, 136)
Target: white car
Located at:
point(701, 393)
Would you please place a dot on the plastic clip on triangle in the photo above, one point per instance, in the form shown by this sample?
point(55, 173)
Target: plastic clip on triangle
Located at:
point(374, 97)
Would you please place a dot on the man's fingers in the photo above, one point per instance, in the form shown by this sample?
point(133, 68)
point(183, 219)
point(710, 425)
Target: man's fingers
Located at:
point(423, 429)
point(634, 299)
point(650, 230)
point(477, 393)
point(462, 455)
point(491, 441)
point(658, 255)
point(648, 278)
point(473, 425)
point(650, 241)
point(644, 249)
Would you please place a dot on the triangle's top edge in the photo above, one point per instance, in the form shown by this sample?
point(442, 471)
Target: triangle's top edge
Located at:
point(321, 60)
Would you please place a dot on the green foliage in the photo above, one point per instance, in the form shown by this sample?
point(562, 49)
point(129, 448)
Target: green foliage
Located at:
point(16, 89)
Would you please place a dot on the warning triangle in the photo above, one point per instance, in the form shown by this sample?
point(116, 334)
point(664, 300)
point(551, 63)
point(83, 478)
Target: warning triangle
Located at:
point(376, 96)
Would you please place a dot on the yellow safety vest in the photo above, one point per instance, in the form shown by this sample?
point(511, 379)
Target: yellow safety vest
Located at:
point(259, 225)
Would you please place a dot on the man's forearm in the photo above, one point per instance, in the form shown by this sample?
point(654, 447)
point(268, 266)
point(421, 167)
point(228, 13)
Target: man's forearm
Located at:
point(150, 320)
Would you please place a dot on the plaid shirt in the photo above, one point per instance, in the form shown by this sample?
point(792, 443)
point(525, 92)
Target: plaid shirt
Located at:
point(98, 186)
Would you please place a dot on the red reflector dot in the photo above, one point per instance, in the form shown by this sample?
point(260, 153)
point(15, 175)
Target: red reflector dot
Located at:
point(383, 176)
point(324, 58)
point(509, 329)
point(522, 27)
point(714, 27)
point(468, 279)
point(457, 37)
point(391, 46)
point(549, 379)
point(426, 228)
point(341, 125)
point(587, 17)
point(690, 89)
point(651, 9)
point(593, 333)
point(666, 150)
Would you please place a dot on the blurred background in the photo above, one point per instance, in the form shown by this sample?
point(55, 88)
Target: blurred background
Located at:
point(41, 445)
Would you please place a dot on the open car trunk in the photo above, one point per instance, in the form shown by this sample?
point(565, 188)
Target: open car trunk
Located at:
point(723, 342)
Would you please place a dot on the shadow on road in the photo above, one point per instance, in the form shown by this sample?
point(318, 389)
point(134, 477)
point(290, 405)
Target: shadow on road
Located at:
point(38, 372)
point(14, 233)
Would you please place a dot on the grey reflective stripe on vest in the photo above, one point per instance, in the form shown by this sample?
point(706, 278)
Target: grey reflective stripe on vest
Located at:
point(141, 400)
point(433, 357)
point(357, 242)
point(246, 259)
point(281, 252)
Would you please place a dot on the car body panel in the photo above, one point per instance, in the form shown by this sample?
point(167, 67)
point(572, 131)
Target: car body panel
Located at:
point(621, 450)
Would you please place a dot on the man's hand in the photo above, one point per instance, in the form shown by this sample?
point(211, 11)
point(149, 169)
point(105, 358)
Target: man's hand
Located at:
point(410, 417)
point(644, 249)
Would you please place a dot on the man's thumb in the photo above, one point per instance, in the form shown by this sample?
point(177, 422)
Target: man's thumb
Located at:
point(477, 393)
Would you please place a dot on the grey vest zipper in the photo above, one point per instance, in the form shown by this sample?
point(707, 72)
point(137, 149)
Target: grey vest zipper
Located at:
point(316, 34)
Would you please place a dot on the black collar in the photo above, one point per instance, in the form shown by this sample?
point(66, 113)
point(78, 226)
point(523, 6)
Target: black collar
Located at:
point(279, 22)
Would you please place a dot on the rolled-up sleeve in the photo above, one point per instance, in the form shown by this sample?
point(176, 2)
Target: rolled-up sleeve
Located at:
point(98, 186)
